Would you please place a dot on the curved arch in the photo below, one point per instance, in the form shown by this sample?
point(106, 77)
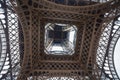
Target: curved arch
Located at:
point(0, 46)
point(108, 40)
point(9, 60)
point(113, 42)
point(3, 46)
point(78, 2)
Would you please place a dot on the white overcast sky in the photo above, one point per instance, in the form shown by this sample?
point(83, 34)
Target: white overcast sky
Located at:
point(117, 57)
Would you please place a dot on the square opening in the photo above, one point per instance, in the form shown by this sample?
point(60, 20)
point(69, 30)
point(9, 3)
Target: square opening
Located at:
point(60, 39)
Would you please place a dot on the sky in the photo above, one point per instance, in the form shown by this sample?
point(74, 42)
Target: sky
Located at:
point(117, 57)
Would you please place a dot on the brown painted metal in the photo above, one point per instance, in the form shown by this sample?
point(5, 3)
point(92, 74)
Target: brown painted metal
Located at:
point(90, 21)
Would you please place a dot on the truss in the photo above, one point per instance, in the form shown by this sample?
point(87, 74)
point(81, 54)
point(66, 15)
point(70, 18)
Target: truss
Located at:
point(22, 44)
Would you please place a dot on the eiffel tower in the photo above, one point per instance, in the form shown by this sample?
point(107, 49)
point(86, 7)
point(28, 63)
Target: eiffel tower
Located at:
point(66, 39)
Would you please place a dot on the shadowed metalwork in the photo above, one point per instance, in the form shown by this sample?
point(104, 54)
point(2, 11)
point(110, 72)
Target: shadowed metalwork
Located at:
point(32, 28)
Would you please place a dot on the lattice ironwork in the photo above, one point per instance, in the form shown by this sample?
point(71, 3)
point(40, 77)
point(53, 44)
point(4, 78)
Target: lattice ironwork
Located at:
point(91, 20)
point(10, 42)
point(60, 39)
point(96, 22)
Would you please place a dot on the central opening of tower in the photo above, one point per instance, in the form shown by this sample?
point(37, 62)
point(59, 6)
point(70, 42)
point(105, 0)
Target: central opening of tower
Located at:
point(60, 39)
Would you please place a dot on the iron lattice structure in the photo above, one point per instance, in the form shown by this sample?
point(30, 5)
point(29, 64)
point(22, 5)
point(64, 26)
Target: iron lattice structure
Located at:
point(22, 44)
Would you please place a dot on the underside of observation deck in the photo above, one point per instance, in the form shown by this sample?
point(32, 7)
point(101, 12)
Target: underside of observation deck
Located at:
point(28, 41)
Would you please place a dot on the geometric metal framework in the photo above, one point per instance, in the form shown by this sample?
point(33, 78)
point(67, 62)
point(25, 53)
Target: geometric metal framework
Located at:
point(22, 42)
point(60, 39)
point(105, 51)
point(9, 42)
point(113, 45)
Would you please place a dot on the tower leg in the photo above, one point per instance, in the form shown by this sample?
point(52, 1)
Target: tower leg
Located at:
point(22, 77)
